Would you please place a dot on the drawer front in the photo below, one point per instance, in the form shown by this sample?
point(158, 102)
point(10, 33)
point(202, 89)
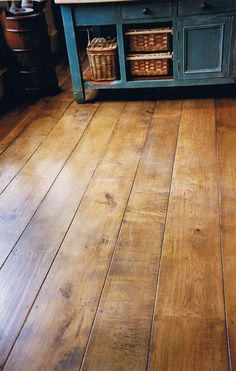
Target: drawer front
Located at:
point(189, 7)
point(160, 9)
point(95, 14)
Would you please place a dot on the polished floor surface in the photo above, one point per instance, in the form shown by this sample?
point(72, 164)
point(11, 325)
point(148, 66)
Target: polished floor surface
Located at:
point(118, 234)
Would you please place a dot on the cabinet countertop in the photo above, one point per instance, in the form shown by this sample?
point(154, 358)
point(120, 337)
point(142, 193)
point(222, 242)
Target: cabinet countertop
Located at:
point(89, 1)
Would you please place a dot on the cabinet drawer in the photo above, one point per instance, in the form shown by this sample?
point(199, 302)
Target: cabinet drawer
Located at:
point(163, 8)
point(189, 7)
point(95, 14)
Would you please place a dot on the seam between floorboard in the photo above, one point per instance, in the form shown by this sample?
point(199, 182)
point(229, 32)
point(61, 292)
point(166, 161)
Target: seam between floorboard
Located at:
point(115, 245)
point(69, 226)
point(36, 149)
point(33, 112)
point(163, 236)
point(58, 174)
point(221, 239)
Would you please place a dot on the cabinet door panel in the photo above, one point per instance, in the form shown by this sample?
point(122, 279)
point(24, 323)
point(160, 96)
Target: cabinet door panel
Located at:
point(204, 47)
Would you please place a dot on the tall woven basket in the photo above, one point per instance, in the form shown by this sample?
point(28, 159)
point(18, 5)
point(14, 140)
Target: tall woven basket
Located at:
point(102, 54)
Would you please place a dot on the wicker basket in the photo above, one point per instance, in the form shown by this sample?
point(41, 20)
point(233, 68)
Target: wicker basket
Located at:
point(149, 64)
point(149, 40)
point(102, 54)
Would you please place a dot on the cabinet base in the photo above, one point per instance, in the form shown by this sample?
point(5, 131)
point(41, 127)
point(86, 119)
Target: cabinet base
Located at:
point(79, 97)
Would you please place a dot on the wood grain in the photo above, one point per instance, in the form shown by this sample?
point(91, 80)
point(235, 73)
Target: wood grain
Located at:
point(22, 275)
point(25, 193)
point(190, 293)
point(226, 113)
point(185, 343)
point(87, 221)
point(120, 337)
point(13, 159)
point(87, 250)
point(17, 119)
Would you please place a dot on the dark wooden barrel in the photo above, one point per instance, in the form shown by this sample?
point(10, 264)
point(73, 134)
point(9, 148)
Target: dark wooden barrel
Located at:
point(27, 38)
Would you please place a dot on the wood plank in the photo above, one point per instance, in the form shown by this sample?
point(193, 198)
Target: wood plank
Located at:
point(23, 196)
point(15, 121)
point(15, 156)
point(190, 304)
point(63, 73)
point(226, 123)
point(185, 343)
point(22, 275)
point(121, 333)
point(61, 318)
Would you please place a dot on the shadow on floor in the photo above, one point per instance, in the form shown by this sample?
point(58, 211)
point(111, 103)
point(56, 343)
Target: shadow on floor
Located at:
point(196, 92)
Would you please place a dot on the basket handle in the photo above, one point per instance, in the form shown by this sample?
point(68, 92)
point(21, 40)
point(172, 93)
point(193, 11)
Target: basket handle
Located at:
point(88, 35)
point(100, 41)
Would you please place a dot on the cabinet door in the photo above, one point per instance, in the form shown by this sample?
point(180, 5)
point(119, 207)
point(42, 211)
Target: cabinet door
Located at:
point(204, 47)
point(233, 49)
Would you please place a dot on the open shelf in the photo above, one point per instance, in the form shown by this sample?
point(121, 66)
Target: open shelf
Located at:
point(144, 44)
point(127, 77)
point(90, 83)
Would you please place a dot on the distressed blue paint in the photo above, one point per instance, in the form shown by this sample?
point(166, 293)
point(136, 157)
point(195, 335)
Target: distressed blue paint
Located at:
point(121, 51)
point(96, 14)
point(74, 61)
point(204, 51)
point(161, 83)
point(232, 70)
point(190, 7)
point(163, 8)
point(204, 47)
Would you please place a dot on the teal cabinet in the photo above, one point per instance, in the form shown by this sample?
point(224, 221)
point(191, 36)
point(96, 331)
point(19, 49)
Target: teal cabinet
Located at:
point(203, 40)
point(204, 47)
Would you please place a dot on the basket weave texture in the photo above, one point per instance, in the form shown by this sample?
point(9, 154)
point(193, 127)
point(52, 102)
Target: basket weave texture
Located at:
point(149, 64)
point(149, 40)
point(102, 54)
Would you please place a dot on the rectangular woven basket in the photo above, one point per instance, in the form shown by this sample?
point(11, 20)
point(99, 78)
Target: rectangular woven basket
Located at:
point(149, 40)
point(102, 55)
point(149, 64)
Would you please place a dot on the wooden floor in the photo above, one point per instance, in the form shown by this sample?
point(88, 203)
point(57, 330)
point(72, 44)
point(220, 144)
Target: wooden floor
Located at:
point(118, 235)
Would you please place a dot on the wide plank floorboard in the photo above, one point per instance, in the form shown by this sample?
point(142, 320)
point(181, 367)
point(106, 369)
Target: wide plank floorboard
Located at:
point(226, 125)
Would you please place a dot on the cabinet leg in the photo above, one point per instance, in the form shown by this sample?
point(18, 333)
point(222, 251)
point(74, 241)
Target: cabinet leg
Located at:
point(75, 65)
point(80, 96)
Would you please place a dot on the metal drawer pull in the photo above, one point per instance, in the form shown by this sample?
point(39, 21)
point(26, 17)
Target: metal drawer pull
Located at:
point(147, 11)
point(205, 5)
